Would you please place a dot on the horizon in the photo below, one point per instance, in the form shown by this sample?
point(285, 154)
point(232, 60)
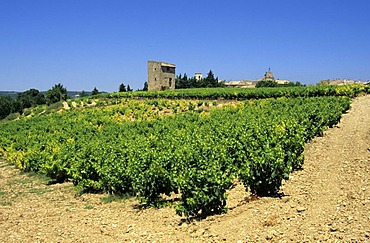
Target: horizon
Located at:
point(102, 44)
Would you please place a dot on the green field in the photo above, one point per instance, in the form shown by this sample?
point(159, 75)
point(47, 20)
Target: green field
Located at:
point(193, 142)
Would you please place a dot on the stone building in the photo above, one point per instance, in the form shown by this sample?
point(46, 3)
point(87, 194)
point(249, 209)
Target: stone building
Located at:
point(161, 75)
point(341, 82)
point(268, 76)
point(198, 76)
point(241, 83)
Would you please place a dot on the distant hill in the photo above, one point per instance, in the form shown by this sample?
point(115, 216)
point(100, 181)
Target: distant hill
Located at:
point(74, 94)
point(71, 94)
point(12, 94)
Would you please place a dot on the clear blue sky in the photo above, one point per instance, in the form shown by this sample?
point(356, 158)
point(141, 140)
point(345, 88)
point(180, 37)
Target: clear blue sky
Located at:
point(101, 43)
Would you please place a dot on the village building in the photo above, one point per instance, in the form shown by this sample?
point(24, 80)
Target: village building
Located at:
point(161, 75)
point(198, 76)
point(268, 76)
point(341, 82)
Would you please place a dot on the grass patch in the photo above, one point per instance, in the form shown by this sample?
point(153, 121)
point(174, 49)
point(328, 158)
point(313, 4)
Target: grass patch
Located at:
point(72, 204)
point(11, 117)
point(6, 203)
point(89, 206)
point(115, 198)
point(3, 201)
point(71, 207)
point(18, 181)
point(39, 191)
point(53, 107)
point(43, 178)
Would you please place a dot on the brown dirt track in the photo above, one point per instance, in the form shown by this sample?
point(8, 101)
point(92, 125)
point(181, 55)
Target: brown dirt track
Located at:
point(329, 200)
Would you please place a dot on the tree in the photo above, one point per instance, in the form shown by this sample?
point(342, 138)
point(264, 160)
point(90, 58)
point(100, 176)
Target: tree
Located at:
point(145, 86)
point(267, 83)
point(56, 93)
point(95, 91)
point(82, 93)
point(8, 105)
point(183, 82)
point(292, 84)
point(129, 88)
point(30, 98)
point(210, 80)
point(122, 88)
point(299, 84)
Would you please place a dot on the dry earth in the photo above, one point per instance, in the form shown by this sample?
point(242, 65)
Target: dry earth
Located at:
point(329, 200)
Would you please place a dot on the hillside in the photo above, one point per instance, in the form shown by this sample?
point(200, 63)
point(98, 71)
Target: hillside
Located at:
point(329, 200)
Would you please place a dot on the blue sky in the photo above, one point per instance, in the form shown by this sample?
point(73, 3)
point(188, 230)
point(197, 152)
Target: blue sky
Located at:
point(101, 43)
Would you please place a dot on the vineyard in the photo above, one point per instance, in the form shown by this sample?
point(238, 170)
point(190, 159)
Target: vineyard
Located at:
point(193, 143)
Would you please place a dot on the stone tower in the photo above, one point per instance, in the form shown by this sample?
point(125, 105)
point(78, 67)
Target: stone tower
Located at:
point(161, 75)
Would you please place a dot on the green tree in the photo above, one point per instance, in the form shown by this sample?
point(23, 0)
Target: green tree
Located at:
point(145, 86)
point(82, 93)
point(95, 91)
point(210, 80)
point(183, 82)
point(7, 106)
point(122, 88)
point(267, 83)
point(129, 88)
point(56, 93)
point(292, 84)
point(30, 98)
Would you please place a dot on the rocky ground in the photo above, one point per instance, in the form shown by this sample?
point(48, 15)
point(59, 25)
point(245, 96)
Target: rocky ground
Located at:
point(329, 200)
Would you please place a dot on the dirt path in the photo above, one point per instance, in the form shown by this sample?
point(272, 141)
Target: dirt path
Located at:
point(329, 200)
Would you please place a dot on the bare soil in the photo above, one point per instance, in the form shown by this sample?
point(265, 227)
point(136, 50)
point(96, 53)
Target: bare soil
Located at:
point(329, 200)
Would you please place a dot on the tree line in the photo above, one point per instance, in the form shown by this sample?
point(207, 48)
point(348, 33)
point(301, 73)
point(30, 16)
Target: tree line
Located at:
point(31, 98)
point(34, 97)
point(184, 82)
point(122, 88)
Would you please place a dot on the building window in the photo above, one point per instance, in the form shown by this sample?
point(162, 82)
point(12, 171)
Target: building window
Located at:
point(170, 83)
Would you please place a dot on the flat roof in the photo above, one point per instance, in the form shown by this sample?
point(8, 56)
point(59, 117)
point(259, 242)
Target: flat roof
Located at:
point(165, 64)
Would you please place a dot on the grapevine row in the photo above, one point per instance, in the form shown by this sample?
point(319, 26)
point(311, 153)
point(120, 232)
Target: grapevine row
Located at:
point(242, 94)
point(199, 154)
